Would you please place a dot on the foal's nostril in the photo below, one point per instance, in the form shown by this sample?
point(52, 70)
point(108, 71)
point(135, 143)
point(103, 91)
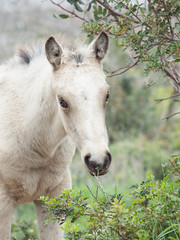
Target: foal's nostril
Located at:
point(93, 166)
point(107, 160)
point(87, 159)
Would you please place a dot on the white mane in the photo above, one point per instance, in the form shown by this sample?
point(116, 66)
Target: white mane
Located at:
point(73, 51)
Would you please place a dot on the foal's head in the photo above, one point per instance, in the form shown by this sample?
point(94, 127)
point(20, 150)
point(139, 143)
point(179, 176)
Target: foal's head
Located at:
point(82, 95)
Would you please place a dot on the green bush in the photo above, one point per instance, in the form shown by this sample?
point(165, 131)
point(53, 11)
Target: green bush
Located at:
point(149, 211)
point(24, 230)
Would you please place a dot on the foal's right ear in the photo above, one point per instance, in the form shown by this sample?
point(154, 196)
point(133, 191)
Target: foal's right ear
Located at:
point(100, 46)
point(53, 52)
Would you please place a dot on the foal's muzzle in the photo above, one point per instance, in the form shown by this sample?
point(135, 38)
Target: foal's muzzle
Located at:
point(95, 168)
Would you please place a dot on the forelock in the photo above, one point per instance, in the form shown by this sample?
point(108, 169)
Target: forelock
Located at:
point(73, 50)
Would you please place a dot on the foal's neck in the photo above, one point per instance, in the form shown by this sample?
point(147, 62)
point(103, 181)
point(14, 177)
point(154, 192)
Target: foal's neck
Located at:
point(46, 128)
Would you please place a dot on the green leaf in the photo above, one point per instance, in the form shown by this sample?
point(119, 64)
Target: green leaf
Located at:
point(143, 10)
point(70, 1)
point(90, 4)
point(63, 16)
point(99, 9)
point(104, 12)
point(89, 7)
point(78, 8)
point(81, 2)
point(167, 231)
point(177, 60)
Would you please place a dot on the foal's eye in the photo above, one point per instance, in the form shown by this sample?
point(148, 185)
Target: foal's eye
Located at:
point(63, 103)
point(107, 97)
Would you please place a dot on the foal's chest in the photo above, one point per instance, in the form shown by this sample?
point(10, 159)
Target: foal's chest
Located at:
point(32, 184)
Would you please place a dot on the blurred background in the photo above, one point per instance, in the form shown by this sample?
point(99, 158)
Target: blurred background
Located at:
point(139, 139)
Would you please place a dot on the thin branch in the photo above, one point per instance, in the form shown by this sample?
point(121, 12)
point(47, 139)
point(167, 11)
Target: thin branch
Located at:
point(121, 68)
point(174, 85)
point(93, 194)
point(99, 20)
point(169, 20)
point(116, 231)
point(68, 11)
point(172, 96)
point(126, 69)
point(138, 19)
point(151, 84)
point(114, 13)
point(97, 179)
point(167, 117)
point(169, 74)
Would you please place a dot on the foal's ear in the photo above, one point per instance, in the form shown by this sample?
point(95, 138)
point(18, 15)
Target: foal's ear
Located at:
point(101, 46)
point(53, 52)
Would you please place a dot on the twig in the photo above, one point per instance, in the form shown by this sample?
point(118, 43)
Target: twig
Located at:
point(167, 117)
point(138, 19)
point(173, 165)
point(114, 13)
point(99, 20)
point(169, 74)
point(93, 194)
point(169, 20)
point(121, 68)
point(66, 10)
point(151, 84)
point(97, 179)
point(118, 233)
point(97, 192)
point(126, 69)
point(172, 96)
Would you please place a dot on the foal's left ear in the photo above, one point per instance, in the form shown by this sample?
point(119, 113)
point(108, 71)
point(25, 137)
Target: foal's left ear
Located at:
point(53, 52)
point(101, 46)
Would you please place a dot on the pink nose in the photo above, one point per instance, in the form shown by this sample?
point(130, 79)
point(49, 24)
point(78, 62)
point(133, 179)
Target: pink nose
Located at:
point(96, 168)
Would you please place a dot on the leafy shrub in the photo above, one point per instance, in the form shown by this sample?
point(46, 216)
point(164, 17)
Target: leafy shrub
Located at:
point(149, 211)
point(149, 29)
point(24, 230)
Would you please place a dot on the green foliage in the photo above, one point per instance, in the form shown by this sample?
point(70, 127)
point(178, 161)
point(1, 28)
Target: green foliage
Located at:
point(24, 230)
point(150, 30)
point(147, 31)
point(150, 211)
point(63, 16)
